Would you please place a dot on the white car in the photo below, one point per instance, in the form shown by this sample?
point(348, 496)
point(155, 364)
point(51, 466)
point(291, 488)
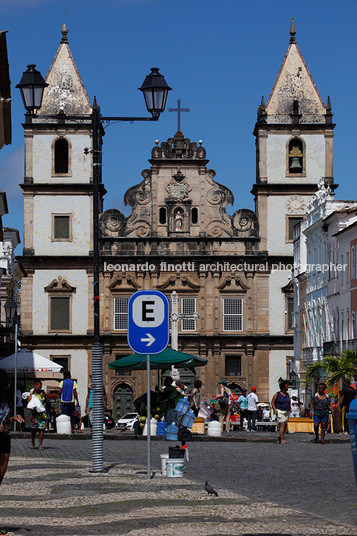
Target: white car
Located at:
point(127, 421)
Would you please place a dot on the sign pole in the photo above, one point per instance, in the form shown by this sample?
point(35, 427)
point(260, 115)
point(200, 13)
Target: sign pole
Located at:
point(148, 419)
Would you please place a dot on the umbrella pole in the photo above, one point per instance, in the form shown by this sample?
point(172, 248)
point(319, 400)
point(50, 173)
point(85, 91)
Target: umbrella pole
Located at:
point(148, 420)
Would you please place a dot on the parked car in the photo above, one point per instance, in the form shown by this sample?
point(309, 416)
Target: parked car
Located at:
point(108, 421)
point(127, 421)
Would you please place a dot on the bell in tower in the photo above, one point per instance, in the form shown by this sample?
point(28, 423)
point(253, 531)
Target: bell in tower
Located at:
point(295, 156)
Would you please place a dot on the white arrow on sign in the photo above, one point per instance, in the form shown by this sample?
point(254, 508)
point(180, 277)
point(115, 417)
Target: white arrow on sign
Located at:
point(149, 340)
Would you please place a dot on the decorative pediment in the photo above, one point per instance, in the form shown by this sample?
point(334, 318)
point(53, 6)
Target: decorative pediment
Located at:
point(235, 282)
point(289, 288)
point(125, 280)
point(180, 148)
point(60, 285)
point(173, 281)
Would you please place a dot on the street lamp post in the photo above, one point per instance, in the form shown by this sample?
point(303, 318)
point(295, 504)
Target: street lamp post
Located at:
point(12, 318)
point(155, 91)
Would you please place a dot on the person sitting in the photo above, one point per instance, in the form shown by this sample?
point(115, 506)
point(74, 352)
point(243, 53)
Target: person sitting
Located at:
point(266, 415)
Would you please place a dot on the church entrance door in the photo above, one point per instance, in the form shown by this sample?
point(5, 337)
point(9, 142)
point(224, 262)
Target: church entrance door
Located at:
point(123, 401)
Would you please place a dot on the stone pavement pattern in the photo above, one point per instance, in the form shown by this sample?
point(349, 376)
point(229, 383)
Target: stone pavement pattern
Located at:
point(262, 490)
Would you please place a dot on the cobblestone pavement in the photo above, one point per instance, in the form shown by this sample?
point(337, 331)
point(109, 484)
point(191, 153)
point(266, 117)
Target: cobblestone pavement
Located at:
point(264, 488)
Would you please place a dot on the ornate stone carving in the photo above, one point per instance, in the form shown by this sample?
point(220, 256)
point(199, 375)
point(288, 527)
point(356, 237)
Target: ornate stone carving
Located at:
point(233, 279)
point(112, 223)
point(178, 189)
point(60, 285)
point(178, 147)
point(122, 280)
point(245, 222)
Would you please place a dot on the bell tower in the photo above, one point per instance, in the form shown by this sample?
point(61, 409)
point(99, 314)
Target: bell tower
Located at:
point(294, 150)
point(58, 200)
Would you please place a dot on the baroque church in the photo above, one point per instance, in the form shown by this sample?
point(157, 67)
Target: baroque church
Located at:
point(233, 270)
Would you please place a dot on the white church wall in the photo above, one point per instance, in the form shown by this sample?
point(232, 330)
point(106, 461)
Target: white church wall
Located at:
point(277, 369)
point(80, 164)
point(79, 308)
point(79, 208)
point(276, 159)
point(277, 280)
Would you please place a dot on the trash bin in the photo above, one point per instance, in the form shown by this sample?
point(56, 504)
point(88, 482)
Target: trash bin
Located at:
point(63, 424)
point(352, 423)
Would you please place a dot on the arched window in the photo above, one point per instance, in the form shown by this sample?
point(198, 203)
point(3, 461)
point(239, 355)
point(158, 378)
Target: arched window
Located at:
point(61, 155)
point(296, 157)
point(162, 215)
point(194, 215)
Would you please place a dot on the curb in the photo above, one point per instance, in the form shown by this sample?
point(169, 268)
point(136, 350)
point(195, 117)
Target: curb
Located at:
point(195, 438)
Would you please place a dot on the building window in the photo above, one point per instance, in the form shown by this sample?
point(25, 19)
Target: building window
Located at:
point(194, 215)
point(343, 271)
point(353, 264)
point(60, 308)
point(188, 307)
point(61, 360)
point(291, 221)
point(60, 305)
point(348, 268)
point(233, 365)
point(353, 326)
point(289, 313)
point(61, 156)
point(233, 314)
point(121, 313)
point(61, 227)
point(296, 157)
point(162, 215)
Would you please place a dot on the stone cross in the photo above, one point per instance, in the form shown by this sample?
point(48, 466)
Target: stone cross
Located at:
point(179, 110)
point(175, 316)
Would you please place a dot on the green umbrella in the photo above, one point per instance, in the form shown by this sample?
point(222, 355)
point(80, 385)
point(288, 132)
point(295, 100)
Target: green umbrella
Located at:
point(159, 361)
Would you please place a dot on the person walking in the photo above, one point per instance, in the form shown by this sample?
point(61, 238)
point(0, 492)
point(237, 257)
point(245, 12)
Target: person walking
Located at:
point(68, 393)
point(252, 408)
point(242, 404)
point(196, 397)
point(282, 408)
point(321, 407)
point(225, 401)
point(5, 420)
point(348, 393)
point(38, 418)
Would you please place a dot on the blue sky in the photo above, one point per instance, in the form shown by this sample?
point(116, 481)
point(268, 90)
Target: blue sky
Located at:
point(219, 57)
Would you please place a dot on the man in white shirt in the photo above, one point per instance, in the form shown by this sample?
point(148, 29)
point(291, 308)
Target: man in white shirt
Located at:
point(252, 409)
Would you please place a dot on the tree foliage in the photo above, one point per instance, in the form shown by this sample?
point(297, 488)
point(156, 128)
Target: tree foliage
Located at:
point(335, 368)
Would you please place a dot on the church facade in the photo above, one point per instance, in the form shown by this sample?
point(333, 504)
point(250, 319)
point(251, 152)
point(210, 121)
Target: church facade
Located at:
point(233, 270)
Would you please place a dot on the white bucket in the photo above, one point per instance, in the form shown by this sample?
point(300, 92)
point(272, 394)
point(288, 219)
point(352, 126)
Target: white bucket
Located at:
point(175, 468)
point(63, 424)
point(164, 458)
point(214, 429)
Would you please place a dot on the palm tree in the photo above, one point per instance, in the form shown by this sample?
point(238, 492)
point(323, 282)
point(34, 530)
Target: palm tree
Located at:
point(336, 368)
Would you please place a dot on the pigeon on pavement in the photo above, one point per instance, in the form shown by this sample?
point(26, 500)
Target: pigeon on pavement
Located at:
point(210, 490)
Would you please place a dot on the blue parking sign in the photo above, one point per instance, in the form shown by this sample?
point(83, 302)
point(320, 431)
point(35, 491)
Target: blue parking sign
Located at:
point(148, 322)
